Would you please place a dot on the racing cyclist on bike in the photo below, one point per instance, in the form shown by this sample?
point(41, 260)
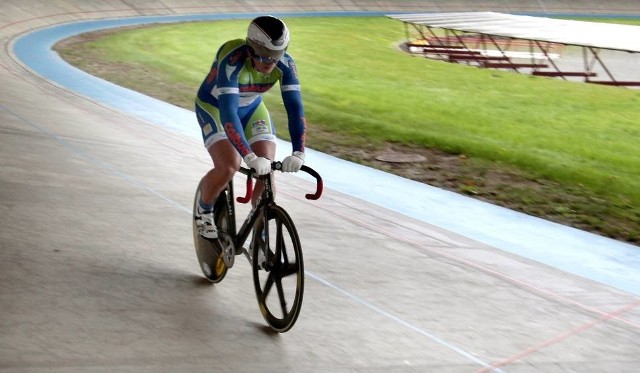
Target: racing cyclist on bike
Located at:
point(234, 120)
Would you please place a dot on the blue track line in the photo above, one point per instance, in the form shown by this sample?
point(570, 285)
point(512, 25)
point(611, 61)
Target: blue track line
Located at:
point(607, 261)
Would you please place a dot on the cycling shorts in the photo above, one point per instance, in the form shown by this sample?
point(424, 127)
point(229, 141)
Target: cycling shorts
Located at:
point(256, 123)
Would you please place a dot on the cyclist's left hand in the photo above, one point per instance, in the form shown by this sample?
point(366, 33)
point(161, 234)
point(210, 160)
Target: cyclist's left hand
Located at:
point(293, 162)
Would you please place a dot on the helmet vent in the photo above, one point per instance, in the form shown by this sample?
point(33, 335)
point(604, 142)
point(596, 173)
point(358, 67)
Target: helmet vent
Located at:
point(272, 27)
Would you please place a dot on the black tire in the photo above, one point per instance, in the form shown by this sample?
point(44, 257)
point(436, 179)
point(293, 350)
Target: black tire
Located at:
point(211, 263)
point(280, 285)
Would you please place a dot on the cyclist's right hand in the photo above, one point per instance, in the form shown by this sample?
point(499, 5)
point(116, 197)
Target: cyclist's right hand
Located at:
point(260, 165)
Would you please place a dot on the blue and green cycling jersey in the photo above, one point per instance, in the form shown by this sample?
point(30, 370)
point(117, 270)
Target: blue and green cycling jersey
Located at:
point(234, 87)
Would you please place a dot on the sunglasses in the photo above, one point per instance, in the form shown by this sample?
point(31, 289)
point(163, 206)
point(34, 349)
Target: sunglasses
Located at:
point(264, 59)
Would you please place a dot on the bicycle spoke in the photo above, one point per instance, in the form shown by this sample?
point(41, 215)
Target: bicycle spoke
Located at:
point(289, 269)
point(283, 302)
point(267, 286)
point(281, 247)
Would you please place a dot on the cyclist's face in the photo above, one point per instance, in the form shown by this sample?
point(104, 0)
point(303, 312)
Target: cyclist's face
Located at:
point(263, 67)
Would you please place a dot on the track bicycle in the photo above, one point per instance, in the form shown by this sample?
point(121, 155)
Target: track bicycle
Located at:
point(274, 251)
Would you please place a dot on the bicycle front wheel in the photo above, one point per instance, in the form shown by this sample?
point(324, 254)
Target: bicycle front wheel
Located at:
point(278, 271)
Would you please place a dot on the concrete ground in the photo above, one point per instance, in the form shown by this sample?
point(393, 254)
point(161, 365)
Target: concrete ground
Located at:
point(98, 270)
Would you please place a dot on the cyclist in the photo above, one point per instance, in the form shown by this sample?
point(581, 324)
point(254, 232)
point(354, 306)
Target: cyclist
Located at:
point(234, 120)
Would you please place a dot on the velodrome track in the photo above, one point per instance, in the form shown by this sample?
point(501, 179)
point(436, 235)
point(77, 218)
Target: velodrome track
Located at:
point(98, 271)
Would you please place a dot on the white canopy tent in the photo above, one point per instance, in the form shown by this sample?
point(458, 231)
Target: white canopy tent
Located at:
point(579, 33)
point(592, 36)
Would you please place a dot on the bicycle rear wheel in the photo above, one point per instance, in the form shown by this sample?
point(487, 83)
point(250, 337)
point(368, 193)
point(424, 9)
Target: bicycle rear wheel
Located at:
point(279, 285)
point(211, 263)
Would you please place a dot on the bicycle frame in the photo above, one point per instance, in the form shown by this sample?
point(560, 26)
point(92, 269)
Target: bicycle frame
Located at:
point(266, 200)
point(239, 236)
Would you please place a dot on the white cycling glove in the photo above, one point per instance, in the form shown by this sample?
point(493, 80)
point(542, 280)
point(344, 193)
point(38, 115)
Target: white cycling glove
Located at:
point(260, 165)
point(293, 162)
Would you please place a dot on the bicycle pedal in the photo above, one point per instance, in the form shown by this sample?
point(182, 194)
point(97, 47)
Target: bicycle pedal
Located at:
point(228, 256)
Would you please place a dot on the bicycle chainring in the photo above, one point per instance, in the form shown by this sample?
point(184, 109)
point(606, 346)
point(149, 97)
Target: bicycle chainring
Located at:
point(228, 249)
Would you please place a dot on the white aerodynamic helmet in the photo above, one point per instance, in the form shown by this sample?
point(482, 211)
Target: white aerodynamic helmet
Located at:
point(268, 36)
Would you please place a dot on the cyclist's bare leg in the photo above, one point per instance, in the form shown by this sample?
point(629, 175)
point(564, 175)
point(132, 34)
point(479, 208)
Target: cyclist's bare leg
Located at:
point(266, 149)
point(226, 162)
